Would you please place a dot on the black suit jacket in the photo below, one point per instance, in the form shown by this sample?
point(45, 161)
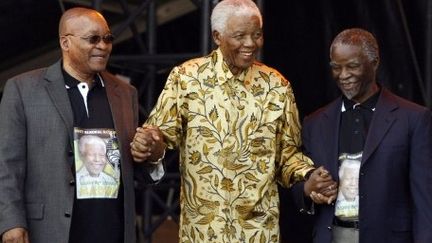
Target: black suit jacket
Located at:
point(395, 181)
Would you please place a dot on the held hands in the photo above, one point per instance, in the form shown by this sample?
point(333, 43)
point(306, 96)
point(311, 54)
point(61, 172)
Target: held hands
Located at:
point(15, 235)
point(148, 144)
point(320, 187)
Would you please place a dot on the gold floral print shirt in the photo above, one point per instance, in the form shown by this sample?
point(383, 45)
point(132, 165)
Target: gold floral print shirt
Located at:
point(238, 136)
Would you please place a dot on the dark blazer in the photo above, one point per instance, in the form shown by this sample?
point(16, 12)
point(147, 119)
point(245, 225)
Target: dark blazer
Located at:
point(395, 181)
point(36, 127)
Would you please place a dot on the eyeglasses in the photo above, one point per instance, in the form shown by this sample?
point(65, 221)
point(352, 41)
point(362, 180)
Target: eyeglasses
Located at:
point(95, 39)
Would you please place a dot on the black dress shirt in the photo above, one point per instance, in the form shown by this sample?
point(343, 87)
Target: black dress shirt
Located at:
point(355, 121)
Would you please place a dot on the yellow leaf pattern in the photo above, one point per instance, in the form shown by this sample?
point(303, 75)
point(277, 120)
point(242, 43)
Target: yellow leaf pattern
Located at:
point(237, 135)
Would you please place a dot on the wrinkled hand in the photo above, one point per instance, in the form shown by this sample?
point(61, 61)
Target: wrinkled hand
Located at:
point(15, 235)
point(321, 187)
point(148, 144)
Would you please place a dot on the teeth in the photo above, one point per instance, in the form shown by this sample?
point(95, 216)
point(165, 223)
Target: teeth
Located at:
point(347, 83)
point(247, 53)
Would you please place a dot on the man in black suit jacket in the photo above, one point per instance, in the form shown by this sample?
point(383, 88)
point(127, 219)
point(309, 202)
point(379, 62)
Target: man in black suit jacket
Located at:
point(385, 142)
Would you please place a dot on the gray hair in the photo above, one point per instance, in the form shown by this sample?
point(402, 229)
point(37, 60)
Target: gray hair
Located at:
point(90, 139)
point(361, 38)
point(228, 8)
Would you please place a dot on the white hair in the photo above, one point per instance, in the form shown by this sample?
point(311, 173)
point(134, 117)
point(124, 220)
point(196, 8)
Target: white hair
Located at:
point(348, 165)
point(228, 8)
point(90, 139)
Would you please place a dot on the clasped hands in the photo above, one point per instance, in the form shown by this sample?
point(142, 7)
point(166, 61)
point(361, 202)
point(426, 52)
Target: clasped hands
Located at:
point(321, 187)
point(148, 144)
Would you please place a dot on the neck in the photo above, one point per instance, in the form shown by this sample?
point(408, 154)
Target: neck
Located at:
point(234, 70)
point(371, 91)
point(82, 77)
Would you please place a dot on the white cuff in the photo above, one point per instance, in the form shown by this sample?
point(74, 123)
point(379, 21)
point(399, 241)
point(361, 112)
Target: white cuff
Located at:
point(157, 172)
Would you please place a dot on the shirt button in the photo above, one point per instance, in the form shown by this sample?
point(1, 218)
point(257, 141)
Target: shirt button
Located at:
point(357, 120)
point(70, 153)
point(67, 214)
point(72, 182)
point(356, 132)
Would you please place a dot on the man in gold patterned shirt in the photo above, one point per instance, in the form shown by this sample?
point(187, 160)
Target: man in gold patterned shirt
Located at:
point(236, 123)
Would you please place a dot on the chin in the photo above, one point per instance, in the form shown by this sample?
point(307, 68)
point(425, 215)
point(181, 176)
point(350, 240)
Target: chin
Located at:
point(98, 69)
point(350, 94)
point(245, 66)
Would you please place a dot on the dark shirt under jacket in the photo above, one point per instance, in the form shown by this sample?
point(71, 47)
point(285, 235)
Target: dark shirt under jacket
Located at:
point(94, 220)
point(355, 121)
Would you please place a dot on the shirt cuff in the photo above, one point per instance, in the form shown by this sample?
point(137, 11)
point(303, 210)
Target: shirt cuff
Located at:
point(157, 172)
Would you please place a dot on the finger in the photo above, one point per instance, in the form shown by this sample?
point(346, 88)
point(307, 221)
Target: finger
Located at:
point(322, 198)
point(329, 189)
point(143, 143)
point(151, 127)
point(148, 126)
point(324, 173)
point(330, 193)
point(12, 239)
point(325, 186)
point(315, 197)
point(139, 149)
point(157, 137)
point(144, 137)
point(139, 156)
point(155, 133)
point(331, 199)
point(139, 159)
point(25, 238)
point(321, 170)
point(140, 129)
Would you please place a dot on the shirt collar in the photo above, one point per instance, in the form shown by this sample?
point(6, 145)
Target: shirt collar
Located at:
point(369, 104)
point(223, 73)
point(71, 82)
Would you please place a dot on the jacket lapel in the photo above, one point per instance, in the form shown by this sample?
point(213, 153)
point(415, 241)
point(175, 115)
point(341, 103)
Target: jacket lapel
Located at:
point(330, 135)
point(57, 92)
point(382, 120)
point(115, 101)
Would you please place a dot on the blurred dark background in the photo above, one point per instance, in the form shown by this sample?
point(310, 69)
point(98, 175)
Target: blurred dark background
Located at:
point(154, 35)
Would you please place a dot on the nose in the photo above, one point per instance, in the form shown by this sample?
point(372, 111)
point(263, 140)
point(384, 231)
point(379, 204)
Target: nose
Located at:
point(102, 45)
point(98, 158)
point(344, 73)
point(249, 41)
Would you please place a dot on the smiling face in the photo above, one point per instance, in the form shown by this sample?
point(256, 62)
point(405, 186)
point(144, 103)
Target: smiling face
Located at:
point(349, 183)
point(240, 42)
point(94, 158)
point(82, 59)
point(353, 72)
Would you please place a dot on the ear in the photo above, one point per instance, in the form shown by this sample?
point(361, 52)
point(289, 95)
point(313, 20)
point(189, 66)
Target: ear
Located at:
point(375, 63)
point(64, 43)
point(216, 37)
